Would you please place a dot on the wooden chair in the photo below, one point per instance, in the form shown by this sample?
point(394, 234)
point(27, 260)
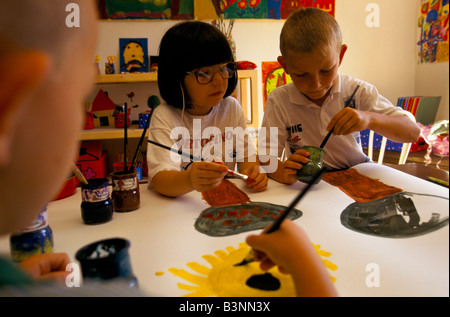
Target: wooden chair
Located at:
point(403, 154)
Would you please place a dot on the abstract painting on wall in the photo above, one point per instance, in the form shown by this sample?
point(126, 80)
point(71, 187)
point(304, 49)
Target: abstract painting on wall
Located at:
point(433, 31)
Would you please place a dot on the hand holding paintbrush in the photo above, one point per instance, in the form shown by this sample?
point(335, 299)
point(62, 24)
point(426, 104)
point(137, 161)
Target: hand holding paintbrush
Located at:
point(276, 224)
point(349, 101)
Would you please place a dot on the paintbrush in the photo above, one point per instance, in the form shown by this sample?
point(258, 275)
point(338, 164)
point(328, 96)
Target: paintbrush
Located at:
point(152, 103)
point(277, 223)
point(346, 105)
point(78, 174)
point(195, 158)
point(125, 140)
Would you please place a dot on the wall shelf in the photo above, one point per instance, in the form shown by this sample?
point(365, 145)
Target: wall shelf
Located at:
point(247, 94)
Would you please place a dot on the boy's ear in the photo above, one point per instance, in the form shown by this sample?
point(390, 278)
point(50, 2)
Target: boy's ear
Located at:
point(283, 64)
point(342, 53)
point(20, 74)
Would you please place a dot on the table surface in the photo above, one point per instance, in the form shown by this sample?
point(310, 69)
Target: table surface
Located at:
point(162, 236)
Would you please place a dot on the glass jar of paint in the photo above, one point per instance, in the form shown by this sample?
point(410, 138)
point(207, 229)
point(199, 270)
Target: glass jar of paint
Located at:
point(37, 238)
point(309, 170)
point(125, 191)
point(107, 260)
point(96, 206)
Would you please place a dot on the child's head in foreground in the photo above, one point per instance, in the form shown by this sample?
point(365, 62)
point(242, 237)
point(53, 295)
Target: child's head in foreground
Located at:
point(311, 51)
point(46, 72)
point(189, 46)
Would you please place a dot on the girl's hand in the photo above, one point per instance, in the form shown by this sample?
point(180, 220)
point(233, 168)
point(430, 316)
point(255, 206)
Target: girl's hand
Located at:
point(204, 176)
point(256, 180)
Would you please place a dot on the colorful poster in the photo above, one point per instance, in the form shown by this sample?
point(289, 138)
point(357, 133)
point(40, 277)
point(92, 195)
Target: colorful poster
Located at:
point(146, 9)
point(433, 25)
point(267, 9)
point(273, 76)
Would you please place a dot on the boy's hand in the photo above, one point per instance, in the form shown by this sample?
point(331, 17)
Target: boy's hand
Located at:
point(349, 120)
point(47, 266)
point(292, 165)
point(260, 180)
point(206, 175)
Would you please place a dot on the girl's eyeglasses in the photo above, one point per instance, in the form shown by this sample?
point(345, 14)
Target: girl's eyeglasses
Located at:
point(205, 75)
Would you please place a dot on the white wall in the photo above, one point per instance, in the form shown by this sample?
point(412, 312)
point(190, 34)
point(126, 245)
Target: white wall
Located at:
point(384, 56)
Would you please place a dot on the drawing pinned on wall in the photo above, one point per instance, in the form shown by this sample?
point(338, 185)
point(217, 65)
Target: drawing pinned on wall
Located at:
point(273, 76)
point(387, 211)
point(133, 55)
point(223, 279)
point(433, 21)
point(232, 212)
point(145, 9)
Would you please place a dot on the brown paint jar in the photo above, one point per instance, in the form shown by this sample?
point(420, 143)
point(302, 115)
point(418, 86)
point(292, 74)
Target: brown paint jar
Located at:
point(125, 191)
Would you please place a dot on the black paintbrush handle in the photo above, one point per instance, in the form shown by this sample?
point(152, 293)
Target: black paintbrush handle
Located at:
point(276, 224)
point(179, 152)
point(133, 164)
point(325, 140)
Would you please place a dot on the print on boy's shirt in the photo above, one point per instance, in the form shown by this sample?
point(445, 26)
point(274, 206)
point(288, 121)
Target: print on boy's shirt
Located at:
point(294, 133)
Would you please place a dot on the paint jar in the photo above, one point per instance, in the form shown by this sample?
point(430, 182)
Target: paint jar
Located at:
point(125, 192)
point(107, 260)
point(96, 206)
point(309, 170)
point(37, 238)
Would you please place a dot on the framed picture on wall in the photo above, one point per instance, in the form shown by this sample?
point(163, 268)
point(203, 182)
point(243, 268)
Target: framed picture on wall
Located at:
point(133, 55)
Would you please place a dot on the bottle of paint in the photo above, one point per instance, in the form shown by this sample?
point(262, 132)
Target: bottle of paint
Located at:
point(107, 261)
point(37, 238)
point(125, 194)
point(96, 206)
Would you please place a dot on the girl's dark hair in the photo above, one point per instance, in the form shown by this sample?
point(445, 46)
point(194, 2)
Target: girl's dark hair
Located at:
point(185, 47)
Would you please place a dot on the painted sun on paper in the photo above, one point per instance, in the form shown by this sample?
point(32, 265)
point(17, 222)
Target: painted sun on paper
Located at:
point(223, 279)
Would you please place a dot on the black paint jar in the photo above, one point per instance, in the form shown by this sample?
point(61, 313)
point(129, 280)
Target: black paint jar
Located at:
point(107, 260)
point(96, 206)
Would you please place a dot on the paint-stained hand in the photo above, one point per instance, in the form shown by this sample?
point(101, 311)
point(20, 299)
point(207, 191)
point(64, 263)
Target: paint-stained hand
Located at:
point(257, 180)
point(206, 175)
point(349, 120)
point(47, 266)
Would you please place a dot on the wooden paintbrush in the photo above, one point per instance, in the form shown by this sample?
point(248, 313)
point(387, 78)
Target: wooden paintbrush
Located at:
point(276, 224)
point(125, 140)
point(78, 174)
point(195, 158)
point(325, 140)
point(152, 102)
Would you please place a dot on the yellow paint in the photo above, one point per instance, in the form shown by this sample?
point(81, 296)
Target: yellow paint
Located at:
point(222, 278)
point(159, 273)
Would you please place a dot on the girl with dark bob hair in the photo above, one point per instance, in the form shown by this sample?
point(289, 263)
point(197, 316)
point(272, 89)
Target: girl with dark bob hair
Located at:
point(185, 47)
point(196, 77)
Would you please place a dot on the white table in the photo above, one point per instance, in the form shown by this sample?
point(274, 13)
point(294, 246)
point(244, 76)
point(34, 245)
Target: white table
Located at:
point(162, 236)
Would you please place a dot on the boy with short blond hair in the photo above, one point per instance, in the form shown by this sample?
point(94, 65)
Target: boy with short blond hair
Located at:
point(313, 104)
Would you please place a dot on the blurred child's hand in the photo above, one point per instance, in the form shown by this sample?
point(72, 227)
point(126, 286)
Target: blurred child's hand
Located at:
point(292, 165)
point(260, 180)
point(206, 175)
point(279, 247)
point(47, 266)
point(349, 120)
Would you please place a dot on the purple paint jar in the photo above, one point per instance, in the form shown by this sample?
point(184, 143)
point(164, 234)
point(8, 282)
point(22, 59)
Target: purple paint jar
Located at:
point(96, 206)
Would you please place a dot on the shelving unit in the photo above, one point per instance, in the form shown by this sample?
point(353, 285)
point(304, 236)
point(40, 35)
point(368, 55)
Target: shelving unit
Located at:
point(247, 94)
